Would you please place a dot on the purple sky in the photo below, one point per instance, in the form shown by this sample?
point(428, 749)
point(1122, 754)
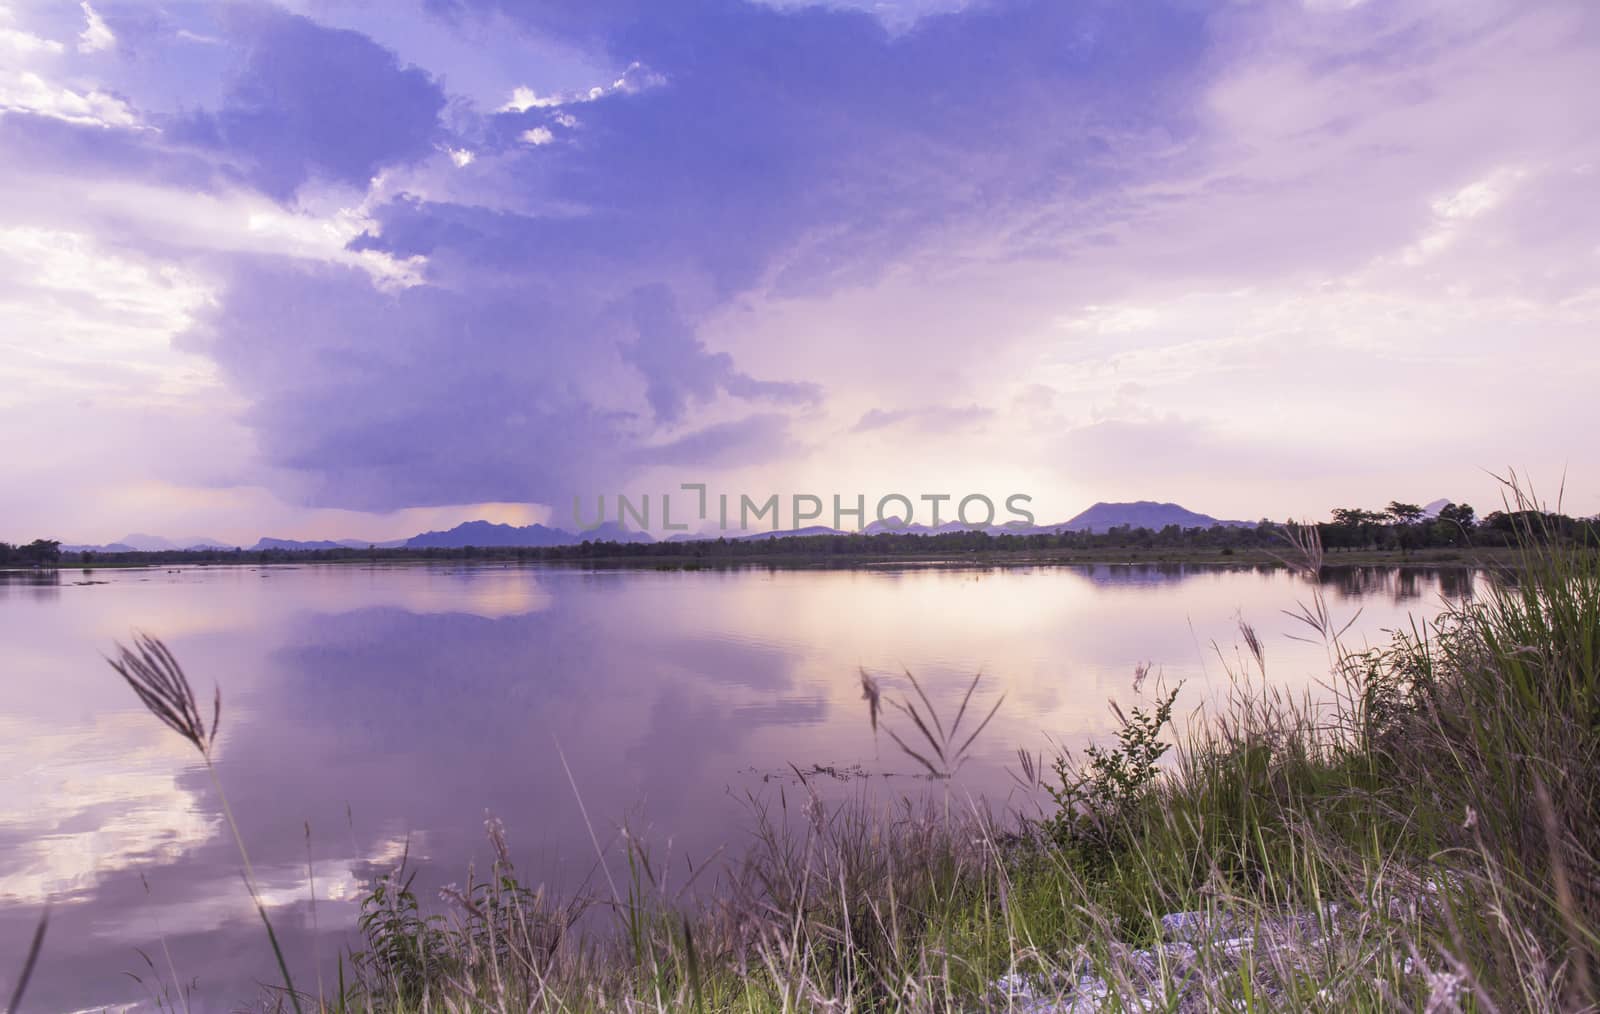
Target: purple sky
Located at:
point(360, 268)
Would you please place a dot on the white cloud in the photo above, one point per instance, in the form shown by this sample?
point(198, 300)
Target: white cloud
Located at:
point(1452, 212)
point(320, 228)
point(1475, 198)
point(25, 42)
point(538, 135)
point(205, 40)
point(635, 79)
point(323, 235)
point(82, 318)
point(96, 36)
point(20, 42)
point(27, 92)
point(524, 98)
point(462, 157)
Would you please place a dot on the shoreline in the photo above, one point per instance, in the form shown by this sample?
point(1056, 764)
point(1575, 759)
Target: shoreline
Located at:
point(1468, 558)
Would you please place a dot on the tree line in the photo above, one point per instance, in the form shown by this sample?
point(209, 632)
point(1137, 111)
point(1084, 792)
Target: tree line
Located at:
point(1405, 526)
point(37, 553)
point(1400, 526)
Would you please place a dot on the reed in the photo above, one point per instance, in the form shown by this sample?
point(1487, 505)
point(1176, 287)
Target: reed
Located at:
point(28, 962)
point(153, 673)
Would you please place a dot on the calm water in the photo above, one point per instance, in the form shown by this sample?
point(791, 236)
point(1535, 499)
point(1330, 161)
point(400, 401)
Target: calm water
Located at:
point(391, 703)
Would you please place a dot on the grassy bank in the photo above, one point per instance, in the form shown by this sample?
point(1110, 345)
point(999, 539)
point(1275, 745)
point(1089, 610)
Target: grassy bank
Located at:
point(1430, 840)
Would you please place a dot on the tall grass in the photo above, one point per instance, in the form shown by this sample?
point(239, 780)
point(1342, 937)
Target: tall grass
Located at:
point(1427, 839)
point(19, 990)
point(153, 673)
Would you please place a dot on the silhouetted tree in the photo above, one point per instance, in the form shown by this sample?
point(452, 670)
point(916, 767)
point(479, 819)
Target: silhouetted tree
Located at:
point(1404, 513)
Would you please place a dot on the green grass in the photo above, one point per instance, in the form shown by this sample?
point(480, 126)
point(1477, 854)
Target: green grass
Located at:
point(1428, 840)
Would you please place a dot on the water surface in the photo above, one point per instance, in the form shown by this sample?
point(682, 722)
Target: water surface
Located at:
point(387, 705)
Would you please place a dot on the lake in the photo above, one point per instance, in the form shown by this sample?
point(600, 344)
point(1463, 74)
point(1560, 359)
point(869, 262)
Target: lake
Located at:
point(385, 705)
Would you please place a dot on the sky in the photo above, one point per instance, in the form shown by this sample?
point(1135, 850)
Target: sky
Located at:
point(362, 268)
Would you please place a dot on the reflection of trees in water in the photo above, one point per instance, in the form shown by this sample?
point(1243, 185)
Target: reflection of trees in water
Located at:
point(1407, 585)
point(1456, 583)
point(1162, 573)
point(1357, 582)
point(30, 583)
point(1399, 584)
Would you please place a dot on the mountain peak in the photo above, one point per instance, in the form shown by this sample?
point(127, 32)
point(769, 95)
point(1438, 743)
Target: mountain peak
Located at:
point(1149, 514)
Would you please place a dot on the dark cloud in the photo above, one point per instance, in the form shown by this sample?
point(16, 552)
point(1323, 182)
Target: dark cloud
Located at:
point(316, 102)
point(425, 395)
point(677, 367)
point(101, 152)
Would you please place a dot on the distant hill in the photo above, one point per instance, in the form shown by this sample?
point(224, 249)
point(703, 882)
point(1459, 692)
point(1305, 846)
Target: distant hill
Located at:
point(791, 533)
point(295, 544)
point(137, 543)
point(896, 525)
point(610, 531)
point(488, 534)
point(155, 543)
point(1141, 514)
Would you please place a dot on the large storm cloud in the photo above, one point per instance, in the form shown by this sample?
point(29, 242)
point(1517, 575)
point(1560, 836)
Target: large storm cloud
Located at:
point(551, 343)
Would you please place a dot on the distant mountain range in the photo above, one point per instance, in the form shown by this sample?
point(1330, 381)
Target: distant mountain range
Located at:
point(138, 543)
point(486, 534)
point(297, 544)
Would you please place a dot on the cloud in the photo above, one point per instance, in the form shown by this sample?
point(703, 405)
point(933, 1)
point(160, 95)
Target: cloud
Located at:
point(677, 367)
point(751, 440)
point(24, 91)
point(636, 78)
point(77, 318)
point(42, 145)
point(313, 102)
point(835, 148)
point(96, 37)
point(25, 43)
point(935, 419)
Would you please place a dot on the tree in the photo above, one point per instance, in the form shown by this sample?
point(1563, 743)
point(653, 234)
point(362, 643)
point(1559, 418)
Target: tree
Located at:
point(1459, 514)
point(1353, 517)
point(39, 551)
point(1454, 524)
point(1404, 513)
